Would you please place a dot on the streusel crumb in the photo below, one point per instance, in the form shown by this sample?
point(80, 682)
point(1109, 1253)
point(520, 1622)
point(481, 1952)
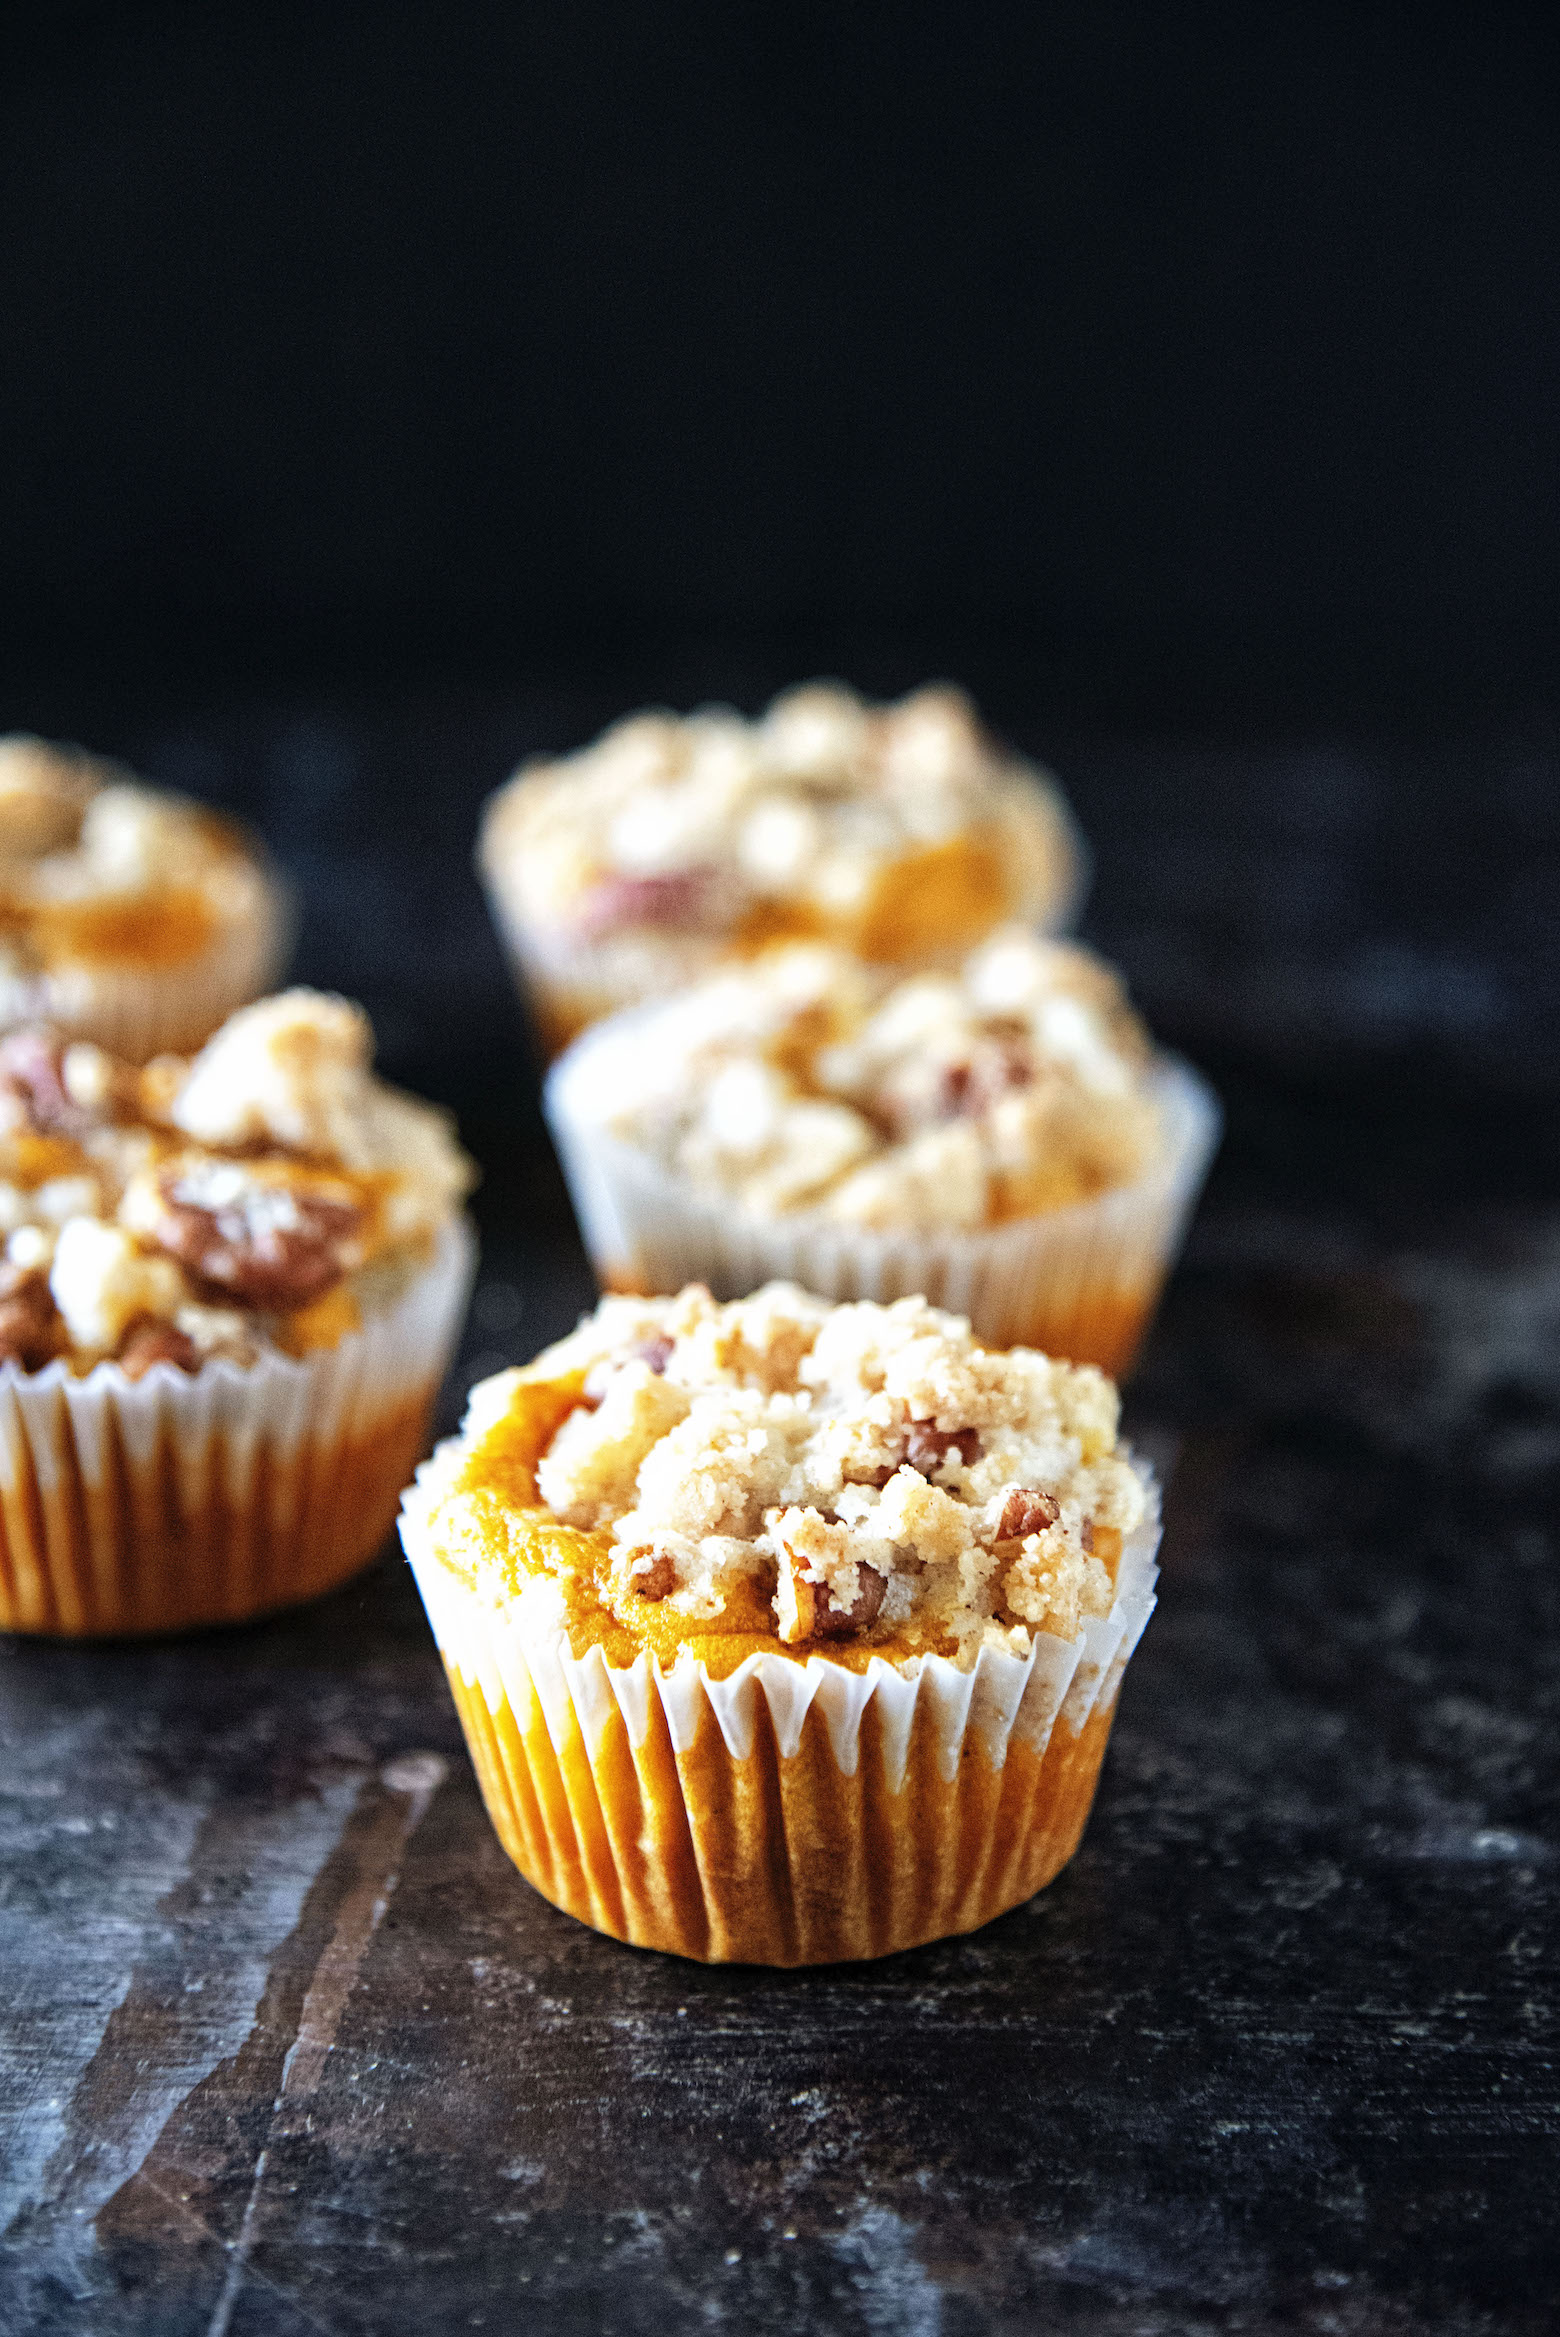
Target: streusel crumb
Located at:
point(808, 1082)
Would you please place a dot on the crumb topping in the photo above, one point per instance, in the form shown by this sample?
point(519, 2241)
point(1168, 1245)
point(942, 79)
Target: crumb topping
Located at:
point(864, 1473)
point(667, 829)
point(806, 1081)
point(267, 1192)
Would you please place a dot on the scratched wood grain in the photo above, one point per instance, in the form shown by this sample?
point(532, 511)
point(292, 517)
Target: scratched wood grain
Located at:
point(288, 2047)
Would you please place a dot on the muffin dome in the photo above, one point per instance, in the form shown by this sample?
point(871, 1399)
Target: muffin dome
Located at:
point(128, 914)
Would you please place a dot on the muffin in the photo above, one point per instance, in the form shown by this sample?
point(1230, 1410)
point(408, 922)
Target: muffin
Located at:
point(902, 833)
point(128, 915)
point(784, 1632)
point(1002, 1139)
point(229, 1292)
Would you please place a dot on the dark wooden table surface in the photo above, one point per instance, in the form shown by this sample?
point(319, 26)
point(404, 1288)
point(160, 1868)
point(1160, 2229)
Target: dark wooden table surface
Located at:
point(287, 2045)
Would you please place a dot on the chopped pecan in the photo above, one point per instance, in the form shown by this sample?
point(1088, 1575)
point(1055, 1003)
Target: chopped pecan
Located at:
point(30, 1329)
point(150, 1340)
point(1027, 1511)
point(832, 1622)
point(875, 1477)
point(926, 1447)
point(31, 1069)
point(651, 1573)
point(674, 898)
point(993, 1066)
point(808, 1609)
point(273, 1246)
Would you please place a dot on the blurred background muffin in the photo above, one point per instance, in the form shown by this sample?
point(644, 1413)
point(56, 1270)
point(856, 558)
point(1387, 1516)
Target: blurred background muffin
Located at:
point(128, 914)
point(229, 1291)
point(901, 832)
point(1001, 1138)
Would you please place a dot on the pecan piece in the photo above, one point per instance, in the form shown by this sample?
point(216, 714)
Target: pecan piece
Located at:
point(270, 1246)
point(31, 1069)
point(926, 1447)
point(150, 1340)
point(877, 1478)
point(1027, 1511)
point(674, 898)
point(808, 1610)
point(832, 1622)
point(29, 1324)
point(651, 1573)
point(994, 1065)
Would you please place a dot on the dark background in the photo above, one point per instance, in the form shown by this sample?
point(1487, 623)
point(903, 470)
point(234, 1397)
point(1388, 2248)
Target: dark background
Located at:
point(386, 393)
point(1165, 365)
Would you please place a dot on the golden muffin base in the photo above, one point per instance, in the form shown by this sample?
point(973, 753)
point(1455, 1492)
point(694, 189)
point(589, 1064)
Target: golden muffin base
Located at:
point(148, 1545)
point(768, 1860)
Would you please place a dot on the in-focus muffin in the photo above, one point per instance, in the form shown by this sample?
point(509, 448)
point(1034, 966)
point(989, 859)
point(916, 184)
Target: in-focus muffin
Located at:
point(229, 1293)
point(1001, 1138)
point(128, 915)
point(903, 833)
point(781, 1631)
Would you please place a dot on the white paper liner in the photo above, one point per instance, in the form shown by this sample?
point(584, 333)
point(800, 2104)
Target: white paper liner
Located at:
point(137, 1012)
point(708, 1818)
point(184, 1498)
point(1079, 1281)
point(515, 1647)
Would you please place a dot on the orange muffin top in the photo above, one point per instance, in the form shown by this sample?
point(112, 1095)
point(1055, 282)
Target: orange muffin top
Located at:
point(263, 1194)
point(787, 1474)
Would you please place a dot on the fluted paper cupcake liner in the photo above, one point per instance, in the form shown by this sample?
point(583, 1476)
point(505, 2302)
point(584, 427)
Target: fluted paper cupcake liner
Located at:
point(795, 1812)
point(138, 1011)
point(565, 984)
point(182, 1499)
point(1080, 1282)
